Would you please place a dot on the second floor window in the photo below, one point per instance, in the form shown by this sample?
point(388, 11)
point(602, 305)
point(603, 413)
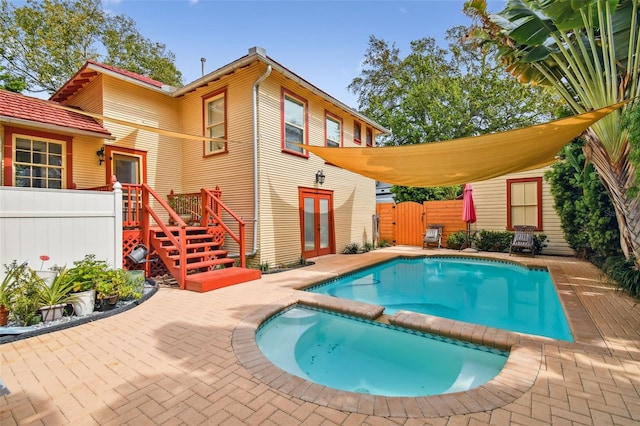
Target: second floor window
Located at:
point(334, 132)
point(295, 124)
point(38, 163)
point(369, 137)
point(357, 133)
point(215, 126)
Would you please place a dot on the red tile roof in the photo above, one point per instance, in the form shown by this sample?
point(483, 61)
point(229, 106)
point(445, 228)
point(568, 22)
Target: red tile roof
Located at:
point(133, 75)
point(15, 105)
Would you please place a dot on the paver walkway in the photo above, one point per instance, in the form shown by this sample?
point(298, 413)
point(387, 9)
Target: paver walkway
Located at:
point(171, 361)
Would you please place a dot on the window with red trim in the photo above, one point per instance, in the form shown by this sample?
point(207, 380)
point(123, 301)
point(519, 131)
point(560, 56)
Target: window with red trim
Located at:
point(524, 202)
point(333, 130)
point(294, 123)
point(215, 110)
point(357, 131)
point(369, 137)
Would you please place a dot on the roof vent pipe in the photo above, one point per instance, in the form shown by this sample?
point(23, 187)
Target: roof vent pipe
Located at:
point(202, 61)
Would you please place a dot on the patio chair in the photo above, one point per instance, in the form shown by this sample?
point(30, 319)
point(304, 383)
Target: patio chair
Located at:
point(433, 235)
point(523, 239)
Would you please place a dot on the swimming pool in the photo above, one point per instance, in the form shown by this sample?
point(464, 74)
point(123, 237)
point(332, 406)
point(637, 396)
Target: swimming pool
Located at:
point(496, 294)
point(369, 357)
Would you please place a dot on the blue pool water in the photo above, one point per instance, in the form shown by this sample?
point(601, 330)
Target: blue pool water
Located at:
point(495, 294)
point(363, 356)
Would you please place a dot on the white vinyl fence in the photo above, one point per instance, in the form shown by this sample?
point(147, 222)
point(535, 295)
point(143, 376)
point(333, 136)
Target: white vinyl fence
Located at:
point(65, 225)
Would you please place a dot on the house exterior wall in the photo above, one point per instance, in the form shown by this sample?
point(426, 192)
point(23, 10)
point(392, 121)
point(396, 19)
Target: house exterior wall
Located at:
point(490, 198)
point(232, 171)
point(282, 174)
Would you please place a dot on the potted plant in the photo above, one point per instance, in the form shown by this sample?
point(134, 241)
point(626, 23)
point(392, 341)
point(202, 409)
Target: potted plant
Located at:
point(53, 298)
point(13, 273)
point(109, 288)
point(85, 274)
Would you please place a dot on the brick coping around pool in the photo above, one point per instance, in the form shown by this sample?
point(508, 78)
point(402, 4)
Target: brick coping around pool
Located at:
point(516, 377)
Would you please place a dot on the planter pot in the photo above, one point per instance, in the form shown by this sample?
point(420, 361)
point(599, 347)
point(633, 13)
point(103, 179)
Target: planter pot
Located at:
point(84, 302)
point(4, 316)
point(53, 312)
point(47, 276)
point(108, 303)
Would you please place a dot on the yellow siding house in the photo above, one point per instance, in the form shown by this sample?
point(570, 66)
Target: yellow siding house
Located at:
point(295, 204)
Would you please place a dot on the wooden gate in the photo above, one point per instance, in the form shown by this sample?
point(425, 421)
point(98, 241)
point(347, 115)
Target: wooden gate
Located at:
point(405, 223)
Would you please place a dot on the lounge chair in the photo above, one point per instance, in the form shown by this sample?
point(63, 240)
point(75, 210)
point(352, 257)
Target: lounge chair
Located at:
point(523, 239)
point(433, 235)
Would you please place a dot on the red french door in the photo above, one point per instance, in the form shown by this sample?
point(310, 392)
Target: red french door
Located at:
point(316, 222)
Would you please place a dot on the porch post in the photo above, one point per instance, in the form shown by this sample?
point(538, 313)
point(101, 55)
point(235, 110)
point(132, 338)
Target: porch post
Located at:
point(117, 225)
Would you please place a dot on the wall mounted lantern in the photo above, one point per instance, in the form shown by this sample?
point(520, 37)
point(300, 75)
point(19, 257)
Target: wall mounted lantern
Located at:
point(320, 177)
point(100, 154)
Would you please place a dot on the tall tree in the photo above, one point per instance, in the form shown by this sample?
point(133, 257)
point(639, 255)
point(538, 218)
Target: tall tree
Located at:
point(45, 42)
point(589, 52)
point(435, 94)
point(10, 82)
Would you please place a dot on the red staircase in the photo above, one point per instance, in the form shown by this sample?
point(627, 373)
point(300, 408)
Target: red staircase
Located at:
point(194, 255)
point(206, 263)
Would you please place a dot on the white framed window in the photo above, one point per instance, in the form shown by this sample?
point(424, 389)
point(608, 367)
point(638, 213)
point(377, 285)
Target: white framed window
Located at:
point(333, 131)
point(215, 123)
point(294, 124)
point(39, 162)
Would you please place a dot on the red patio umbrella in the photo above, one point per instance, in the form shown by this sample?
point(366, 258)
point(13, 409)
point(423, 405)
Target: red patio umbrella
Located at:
point(468, 210)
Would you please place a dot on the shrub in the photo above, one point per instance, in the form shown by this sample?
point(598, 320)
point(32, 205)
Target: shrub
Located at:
point(540, 242)
point(352, 248)
point(497, 241)
point(622, 272)
point(367, 247)
point(384, 243)
point(456, 240)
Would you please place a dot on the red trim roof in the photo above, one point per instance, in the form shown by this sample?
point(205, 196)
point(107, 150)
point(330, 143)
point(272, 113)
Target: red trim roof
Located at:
point(16, 105)
point(133, 75)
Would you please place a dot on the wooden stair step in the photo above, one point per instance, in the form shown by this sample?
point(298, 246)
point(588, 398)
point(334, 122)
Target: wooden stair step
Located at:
point(191, 246)
point(211, 280)
point(208, 263)
point(195, 254)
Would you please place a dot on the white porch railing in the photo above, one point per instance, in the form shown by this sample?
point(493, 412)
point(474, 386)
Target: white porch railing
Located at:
point(65, 225)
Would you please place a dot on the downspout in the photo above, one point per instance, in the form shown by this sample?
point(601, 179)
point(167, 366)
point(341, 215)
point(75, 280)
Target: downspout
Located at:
point(255, 159)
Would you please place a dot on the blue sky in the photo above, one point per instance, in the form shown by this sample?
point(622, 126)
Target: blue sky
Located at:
point(322, 41)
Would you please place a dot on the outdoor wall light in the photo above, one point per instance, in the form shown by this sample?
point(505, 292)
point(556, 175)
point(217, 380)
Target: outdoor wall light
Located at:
point(100, 154)
point(320, 177)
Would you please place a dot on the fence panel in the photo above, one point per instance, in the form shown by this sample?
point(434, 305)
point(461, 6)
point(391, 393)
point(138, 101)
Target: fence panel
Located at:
point(65, 225)
point(410, 223)
point(405, 223)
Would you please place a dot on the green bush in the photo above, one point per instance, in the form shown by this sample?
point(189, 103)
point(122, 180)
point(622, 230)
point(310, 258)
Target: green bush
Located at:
point(622, 273)
point(456, 240)
point(352, 248)
point(367, 247)
point(384, 243)
point(497, 241)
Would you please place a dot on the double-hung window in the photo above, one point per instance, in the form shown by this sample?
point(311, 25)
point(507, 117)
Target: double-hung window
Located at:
point(524, 202)
point(294, 126)
point(215, 123)
point(333, 131)
point(357, 131)
point(369, 137)
point(38, 163)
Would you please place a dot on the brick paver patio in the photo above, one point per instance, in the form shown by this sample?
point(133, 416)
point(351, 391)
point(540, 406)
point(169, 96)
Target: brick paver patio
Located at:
point(189, 358)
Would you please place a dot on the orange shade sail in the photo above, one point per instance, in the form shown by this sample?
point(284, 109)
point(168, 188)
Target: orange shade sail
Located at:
point(469, 159)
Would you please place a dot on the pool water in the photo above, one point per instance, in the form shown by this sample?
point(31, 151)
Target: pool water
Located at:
point(495, 294)
point(368, 357)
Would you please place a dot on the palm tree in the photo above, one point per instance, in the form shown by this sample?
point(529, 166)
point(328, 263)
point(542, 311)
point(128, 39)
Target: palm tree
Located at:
point(589, 52)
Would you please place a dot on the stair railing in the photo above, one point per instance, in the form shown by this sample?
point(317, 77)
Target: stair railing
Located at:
point(178, 242)
point(212, 207)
